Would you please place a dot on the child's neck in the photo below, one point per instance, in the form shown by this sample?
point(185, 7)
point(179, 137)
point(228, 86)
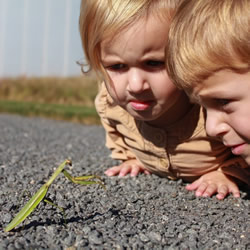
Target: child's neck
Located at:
point(174, 114)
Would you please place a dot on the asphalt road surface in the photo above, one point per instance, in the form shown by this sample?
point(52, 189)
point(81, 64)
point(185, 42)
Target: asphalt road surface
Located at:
point(146, 212)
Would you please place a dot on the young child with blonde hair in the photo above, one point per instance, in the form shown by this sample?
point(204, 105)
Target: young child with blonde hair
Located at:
point(208, 55)
point(150, 124)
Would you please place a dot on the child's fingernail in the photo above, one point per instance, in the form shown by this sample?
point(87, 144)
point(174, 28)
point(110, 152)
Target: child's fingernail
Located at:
point(108, 173)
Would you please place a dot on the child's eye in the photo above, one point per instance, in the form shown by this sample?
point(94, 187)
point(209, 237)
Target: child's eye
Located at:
point(155, 64)
point(224, 105)
point(222, 102)
point(116, 67)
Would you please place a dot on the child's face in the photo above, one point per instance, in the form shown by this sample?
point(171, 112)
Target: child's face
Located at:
point(226, 96)
point(135, 64)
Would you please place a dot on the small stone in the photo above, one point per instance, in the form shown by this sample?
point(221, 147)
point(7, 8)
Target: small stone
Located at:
point(143, 237)
point(95, 238)
point(154, 236)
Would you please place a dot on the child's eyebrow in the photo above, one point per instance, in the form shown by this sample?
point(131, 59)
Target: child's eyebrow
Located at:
point(156, 56)
point(108, 61)
point(215, 93)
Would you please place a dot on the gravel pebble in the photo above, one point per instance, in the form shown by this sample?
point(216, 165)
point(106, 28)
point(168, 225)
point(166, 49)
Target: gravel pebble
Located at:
point(146, 212)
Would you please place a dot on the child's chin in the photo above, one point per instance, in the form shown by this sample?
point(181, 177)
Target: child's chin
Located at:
point(141, 116)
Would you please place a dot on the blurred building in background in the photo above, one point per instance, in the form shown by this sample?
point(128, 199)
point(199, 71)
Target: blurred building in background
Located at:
point(39, 38)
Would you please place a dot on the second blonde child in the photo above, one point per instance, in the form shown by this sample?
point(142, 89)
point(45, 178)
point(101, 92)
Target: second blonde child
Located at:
point(212, 63)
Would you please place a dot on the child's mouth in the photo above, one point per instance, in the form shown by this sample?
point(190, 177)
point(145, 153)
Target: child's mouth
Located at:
point(140, 105)
point(238, 149)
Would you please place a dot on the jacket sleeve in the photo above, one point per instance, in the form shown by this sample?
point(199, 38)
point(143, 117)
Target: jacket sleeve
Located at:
point(114, 139)
point(115, 142)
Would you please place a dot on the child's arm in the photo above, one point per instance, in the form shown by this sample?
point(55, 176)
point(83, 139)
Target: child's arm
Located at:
point(115, 141)
point(120, 151)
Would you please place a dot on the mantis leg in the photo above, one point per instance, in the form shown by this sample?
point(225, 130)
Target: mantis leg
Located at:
point(84, 180)
point(60, 208)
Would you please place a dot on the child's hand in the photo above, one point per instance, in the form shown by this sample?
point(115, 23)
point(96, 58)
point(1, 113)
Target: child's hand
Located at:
point(212, 183)
point(133, 167)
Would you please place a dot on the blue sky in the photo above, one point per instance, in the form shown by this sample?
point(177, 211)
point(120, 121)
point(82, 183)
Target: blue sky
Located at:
point(29, 47)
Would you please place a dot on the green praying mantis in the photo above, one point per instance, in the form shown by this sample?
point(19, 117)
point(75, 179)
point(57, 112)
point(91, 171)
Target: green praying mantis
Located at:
point(40, 194)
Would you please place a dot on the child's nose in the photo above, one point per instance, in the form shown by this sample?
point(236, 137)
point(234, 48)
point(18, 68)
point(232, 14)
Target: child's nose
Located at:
point(215, 125)
point(137, 81)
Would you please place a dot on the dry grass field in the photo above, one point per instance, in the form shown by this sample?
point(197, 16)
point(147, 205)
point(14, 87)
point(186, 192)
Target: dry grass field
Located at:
point(69, 98)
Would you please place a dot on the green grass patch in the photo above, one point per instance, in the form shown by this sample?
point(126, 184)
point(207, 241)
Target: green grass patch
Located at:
point(82, 114)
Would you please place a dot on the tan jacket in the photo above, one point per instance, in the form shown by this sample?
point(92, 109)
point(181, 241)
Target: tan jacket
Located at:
point(180, 151)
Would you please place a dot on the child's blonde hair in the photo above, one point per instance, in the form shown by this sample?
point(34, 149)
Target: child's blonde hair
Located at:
point(207, 36)
point(104, 19)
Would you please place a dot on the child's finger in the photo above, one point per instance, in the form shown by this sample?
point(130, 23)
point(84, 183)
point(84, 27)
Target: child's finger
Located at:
point(146, 172)
point(201, 189)
point(113, 171)
point(222, 192)
point(235, 192)
point(210, 190)
point(125, 169)
point(135, 171)
point(193, 186)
